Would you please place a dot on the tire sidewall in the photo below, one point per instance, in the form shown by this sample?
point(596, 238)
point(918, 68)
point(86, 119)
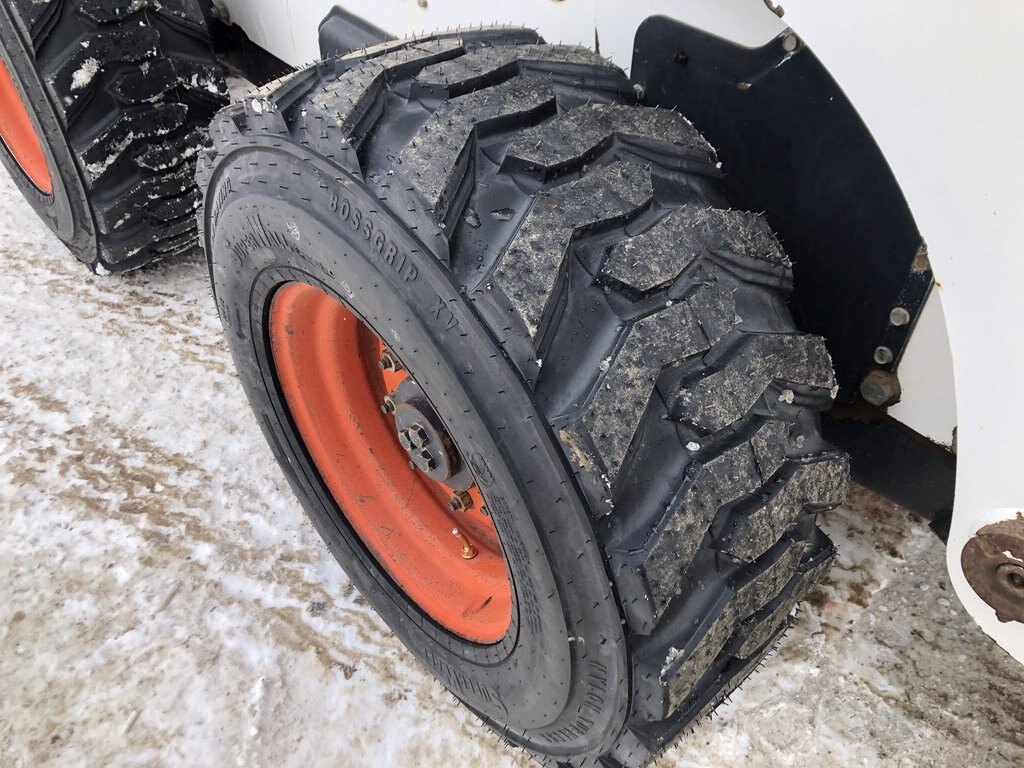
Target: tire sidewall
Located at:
point(65, 209)
point(275, 214)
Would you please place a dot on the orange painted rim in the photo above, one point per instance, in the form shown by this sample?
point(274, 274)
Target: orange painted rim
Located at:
point(327, 363)
point(19, 134)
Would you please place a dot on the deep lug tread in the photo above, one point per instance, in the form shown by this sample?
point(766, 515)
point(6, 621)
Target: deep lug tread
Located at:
point(440, 155)
point(576, 137)
point(354, 103)
point(571, 65)
point(135, 128)
point(528, 271)
point(689, 413)
point(736, 375)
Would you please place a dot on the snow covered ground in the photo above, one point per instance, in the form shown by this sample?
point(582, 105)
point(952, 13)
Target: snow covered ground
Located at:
point(163, 601)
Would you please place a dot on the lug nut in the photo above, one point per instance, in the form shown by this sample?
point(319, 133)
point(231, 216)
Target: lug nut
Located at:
point(388, 405)
point(405, 439)
point(899, 316)
point(418, 436)
point(427, 461)
point(388, 362)
point(460, 501)
point(468, 550)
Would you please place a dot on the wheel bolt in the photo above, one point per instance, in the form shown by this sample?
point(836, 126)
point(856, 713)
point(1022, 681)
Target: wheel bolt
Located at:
point(418, 436)
point(388, 405)
point(388, 362)
point(427, 460)
point(460, 501)
point(405, 440)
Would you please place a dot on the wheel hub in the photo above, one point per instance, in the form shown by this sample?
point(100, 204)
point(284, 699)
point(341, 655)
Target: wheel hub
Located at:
point(424, 437)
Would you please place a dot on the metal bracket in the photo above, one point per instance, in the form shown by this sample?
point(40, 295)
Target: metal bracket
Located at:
point(793, 147)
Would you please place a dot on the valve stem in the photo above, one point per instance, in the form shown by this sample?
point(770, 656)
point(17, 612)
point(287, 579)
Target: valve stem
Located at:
point(468, 550)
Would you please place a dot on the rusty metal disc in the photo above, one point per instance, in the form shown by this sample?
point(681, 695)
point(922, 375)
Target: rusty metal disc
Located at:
point(993, 562)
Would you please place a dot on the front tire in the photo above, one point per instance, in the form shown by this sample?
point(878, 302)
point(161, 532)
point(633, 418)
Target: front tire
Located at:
point(604, 341)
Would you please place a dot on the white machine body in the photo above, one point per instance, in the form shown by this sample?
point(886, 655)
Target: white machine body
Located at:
point(938, 85)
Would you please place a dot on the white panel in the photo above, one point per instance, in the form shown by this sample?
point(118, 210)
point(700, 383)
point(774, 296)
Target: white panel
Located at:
point(288, 28)
point(928, 405)
point(938, 84)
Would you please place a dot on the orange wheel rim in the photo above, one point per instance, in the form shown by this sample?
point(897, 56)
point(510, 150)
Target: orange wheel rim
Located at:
point(19, 135)
point(329, 368)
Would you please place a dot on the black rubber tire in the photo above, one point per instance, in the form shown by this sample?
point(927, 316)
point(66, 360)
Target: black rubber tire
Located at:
point(120, 92)
point(661, 470)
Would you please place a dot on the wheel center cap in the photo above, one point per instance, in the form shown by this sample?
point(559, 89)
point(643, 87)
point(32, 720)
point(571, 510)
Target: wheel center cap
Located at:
point(422, 434)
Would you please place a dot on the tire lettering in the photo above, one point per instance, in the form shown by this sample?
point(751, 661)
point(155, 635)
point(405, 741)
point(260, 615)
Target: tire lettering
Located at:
point(220, 198)
point(462, 682)
point(444, 315)
point(375, 235)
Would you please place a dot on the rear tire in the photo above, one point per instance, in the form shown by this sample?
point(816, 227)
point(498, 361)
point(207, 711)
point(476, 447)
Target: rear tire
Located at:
point(558, 269)
point(119, 94)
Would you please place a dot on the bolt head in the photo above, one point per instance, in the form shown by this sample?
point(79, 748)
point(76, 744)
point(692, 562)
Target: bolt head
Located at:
point(881, 388)
point(883, 355)
point(899, 316)
point(921, 262)
point(460, 501)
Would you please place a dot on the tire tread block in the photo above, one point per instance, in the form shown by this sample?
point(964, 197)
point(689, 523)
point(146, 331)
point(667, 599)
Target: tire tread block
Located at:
point(436, 161)
point(135, 128)
point(576, 136)
point(356, 95)
point(530, 266)
point(726, 477)
point(740, 376)
point(103, 50)
point(650, 345)
point(486, 66)
point(818, 483)
point(658, 255)
point(682, 670)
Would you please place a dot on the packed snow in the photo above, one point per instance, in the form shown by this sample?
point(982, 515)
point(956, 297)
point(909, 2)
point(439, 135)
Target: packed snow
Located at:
point(84, 74)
